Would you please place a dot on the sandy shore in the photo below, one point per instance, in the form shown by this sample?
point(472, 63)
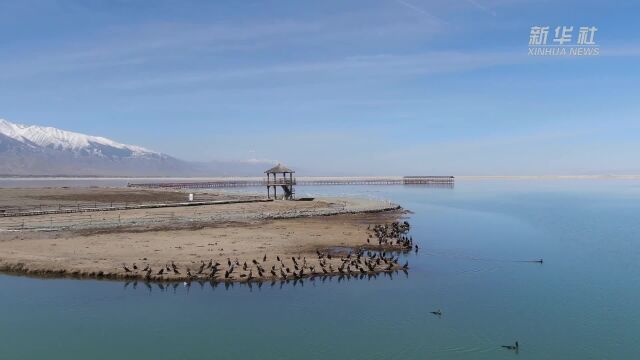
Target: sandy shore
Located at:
point(144, 243)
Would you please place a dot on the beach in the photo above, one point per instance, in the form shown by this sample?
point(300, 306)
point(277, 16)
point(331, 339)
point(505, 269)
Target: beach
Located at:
point(173, 241)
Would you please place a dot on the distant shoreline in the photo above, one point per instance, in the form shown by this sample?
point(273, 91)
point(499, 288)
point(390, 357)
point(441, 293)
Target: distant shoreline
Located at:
point(457, 177)
point(547, 177)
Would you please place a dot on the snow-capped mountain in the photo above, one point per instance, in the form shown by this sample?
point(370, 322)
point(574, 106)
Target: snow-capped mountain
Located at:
point(56, 139)
point(39, 150)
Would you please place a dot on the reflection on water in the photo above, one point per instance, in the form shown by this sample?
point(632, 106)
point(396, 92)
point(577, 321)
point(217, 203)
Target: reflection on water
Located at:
point(478, 245)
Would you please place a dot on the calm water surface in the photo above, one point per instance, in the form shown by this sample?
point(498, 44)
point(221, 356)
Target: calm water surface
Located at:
point(582, 303)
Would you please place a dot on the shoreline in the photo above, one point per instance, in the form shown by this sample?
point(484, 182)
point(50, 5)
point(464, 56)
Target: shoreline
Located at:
point(260, 239)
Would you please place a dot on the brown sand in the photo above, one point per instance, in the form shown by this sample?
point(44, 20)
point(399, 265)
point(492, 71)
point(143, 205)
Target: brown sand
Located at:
point(192, 235)
point(52, 198)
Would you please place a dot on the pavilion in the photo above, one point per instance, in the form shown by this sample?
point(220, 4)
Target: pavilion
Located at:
point(286, 182)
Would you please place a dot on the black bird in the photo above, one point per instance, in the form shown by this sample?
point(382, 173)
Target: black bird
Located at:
point(264, 258)
point(126, 269)
point(437, 312)
point(135, 267)
point(515, 347)
point(228, 262)
point(406, 265)
point(161, 271)
point(278, 257)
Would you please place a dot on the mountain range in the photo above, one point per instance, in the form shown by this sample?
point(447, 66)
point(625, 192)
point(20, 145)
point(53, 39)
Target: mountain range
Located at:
point(30, 150)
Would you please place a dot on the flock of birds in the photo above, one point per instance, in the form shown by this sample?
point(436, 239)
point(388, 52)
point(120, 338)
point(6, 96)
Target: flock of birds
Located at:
point(354, 263)
point(393, 235)
point(360, 262)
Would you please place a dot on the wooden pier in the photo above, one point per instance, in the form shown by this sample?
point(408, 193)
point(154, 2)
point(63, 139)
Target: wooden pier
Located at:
point(445, 181)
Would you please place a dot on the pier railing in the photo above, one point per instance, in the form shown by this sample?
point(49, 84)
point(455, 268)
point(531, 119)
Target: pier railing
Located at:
point(279, 182)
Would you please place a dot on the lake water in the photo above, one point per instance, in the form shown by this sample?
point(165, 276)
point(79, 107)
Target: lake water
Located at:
point(581, 303)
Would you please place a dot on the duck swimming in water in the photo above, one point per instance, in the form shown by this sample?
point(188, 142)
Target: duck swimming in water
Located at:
point(515, 347)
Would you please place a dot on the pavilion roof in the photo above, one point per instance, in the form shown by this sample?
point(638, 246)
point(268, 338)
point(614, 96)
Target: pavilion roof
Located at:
point(279, 169)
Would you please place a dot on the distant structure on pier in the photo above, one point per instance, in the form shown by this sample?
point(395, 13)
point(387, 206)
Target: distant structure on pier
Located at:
point(417, 180)
point(286, 182)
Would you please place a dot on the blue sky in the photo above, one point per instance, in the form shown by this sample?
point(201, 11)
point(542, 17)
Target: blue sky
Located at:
point(333, 87)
